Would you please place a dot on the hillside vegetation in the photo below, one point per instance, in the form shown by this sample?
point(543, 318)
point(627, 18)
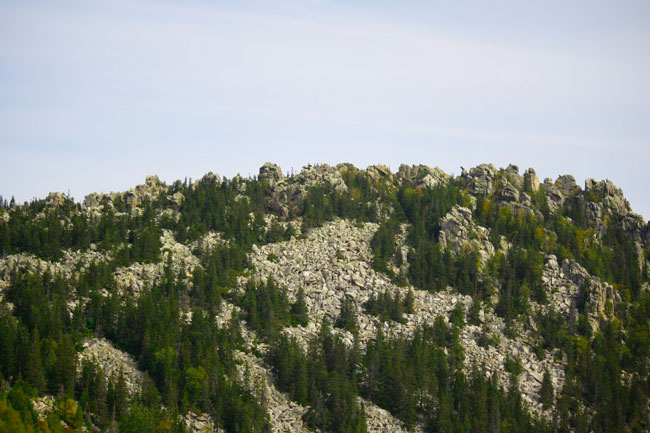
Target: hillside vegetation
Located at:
point(334, 300)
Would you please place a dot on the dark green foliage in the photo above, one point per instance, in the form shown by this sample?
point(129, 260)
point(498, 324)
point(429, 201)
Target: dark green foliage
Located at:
point(432, 268)
point(299, 310)
point(415, 378)
point(348, 317)
point(17, 415)
point(190, 364)
point(389, 307)
point(546, 393)
point(457, 316)
point(266, 308)
point(383, 246)
point(290, 364)
point(519, 273)
point(551, 329)
point(325, 379)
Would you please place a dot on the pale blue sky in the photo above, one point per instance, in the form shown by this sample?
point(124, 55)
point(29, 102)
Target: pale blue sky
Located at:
point(96, 95)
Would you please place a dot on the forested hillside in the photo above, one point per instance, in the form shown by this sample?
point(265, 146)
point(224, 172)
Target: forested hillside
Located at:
point(334, 300)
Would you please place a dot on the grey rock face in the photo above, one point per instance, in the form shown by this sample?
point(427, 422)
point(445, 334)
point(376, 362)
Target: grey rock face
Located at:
point(145, 193)
point(600, 296)
point(554, 197)
point(422, 175)
point(508, 193)
point(379, 172)
point(272, 173)
point(324, 173)
point(176, 199)
point(567, 185)
point(113, 362)
point(334, 262)
point(209, 177)
point(512, 173)
point(200, 423)
point(481, 179)
point(55, 199)
point(459, 232)
point(609, 194)
point(531, 181)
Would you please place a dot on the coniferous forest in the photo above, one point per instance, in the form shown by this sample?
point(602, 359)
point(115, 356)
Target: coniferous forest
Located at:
point(164, 274)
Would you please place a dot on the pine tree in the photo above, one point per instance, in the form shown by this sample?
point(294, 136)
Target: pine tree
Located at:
point(299, 309)
point(33, 369)
point(121, 396)
point(546, 393)
point(348, 317)
point(66, 364)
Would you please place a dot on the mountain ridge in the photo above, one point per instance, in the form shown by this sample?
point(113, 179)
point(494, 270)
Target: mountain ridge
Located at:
point(519, 274)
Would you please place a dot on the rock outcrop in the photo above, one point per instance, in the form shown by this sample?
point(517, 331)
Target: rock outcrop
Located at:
point(422, 176)
point(480, 179)
point(459, 233)
point(334, 262)
point(271, 173)
point(531, 181)
point(600, 297)
point(113, 362)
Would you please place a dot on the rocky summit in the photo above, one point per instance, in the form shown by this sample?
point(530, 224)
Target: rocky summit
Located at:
point(336, 299)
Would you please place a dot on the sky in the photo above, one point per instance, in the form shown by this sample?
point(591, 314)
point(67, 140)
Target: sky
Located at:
point(95, 95)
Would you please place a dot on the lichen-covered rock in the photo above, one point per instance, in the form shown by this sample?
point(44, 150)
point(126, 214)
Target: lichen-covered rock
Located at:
point(43, 406)
point(531, 181)
point(199, 423)
point(480, 179)
point(272, 173)
point(140, 276)
point(554, 197)
point(284, 414)
point(323, 173)
point(56, 199)
point(513, 176)
point(601, 297)
point(379, 173)
point(459, 233)
point(608, 194)
point(567, 185)
point(334, 262)
point(422, 176)
point(113, 362)
point(508, 193)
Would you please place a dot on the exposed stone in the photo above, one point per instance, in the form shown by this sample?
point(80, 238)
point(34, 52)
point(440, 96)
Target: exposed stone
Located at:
point(459, 232)
point(334, 261)
point(531, 181)
point(512, 173)
point(601, 298)
point(508, 193)
point(480, 179)
point(113, 362)
point(310, 175)
point(422, 175)
point(272, 173)
point(209, 177)
point(554, 197)
point(567, 185)
point(200, 423)
point(608, 194)
point(379, 172)
point(140, 276)
point(56, 199)
point(177, 198)
point(284, 414)
point(94, 199)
